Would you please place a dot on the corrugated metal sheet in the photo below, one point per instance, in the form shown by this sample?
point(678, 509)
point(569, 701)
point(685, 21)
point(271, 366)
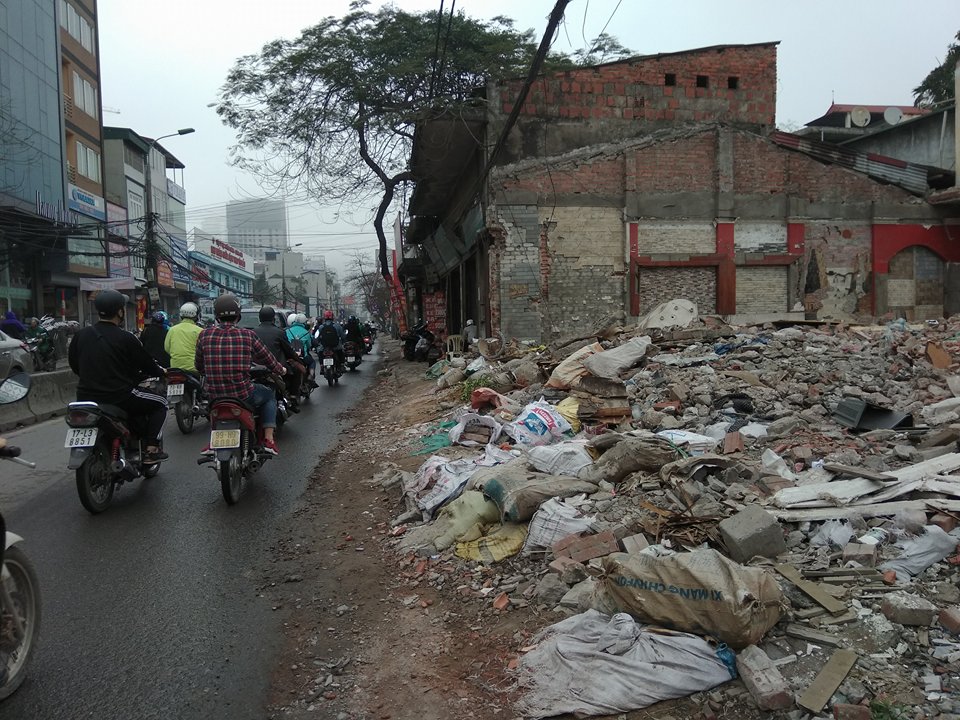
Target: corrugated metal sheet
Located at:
point(909, 176)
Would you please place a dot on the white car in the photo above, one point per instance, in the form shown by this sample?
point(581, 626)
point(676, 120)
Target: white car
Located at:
point(14, 356)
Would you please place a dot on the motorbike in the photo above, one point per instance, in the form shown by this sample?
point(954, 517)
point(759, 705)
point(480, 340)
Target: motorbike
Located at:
point(417, 342)
point(367, 345)
point(332, 368)
point(235, 434)
point(19, 587)
point(106, 449)
point(352, 354)
point(185, 393)
point(42, 362)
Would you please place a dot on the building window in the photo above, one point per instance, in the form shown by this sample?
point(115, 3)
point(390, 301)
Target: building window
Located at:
point(733, 82)
point(84, 96)
point(703, 81)
point(134, 205)
point(76, 25)
point(133, 158)
point(670, 79)
point(88, 162)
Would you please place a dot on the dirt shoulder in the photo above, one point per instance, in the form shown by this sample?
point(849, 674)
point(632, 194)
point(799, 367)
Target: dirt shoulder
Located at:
point(368, 634)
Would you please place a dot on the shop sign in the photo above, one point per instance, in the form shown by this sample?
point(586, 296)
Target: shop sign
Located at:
point(86, 203)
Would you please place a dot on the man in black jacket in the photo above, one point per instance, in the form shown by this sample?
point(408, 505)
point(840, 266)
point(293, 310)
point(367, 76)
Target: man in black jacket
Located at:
point(277, 343)
point(111, 362)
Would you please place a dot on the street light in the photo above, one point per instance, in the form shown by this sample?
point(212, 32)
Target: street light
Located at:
point(151, 218)
point(283, 273)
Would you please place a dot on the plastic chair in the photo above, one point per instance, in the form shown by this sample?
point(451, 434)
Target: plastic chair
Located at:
point(454, 347)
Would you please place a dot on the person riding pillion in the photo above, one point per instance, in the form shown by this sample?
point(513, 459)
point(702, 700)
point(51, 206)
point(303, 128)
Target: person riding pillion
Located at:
point(330, 335)
point(225, 353)
point(298, 333)
point(111, 362)
point(181, 340)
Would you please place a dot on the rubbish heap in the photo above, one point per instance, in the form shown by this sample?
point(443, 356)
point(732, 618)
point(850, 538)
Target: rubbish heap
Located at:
point(701, 503)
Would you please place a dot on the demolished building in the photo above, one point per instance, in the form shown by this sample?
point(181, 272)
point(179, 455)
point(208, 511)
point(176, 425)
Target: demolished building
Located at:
point(625, 184)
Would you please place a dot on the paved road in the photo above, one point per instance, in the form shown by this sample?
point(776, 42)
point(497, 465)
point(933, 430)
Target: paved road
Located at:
point(151, 609)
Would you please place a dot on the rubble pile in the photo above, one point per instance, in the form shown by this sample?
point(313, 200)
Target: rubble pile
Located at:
point(785, 493)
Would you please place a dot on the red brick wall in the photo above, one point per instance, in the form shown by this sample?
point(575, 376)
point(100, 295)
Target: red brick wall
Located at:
point(636, 90)
point(686, 165)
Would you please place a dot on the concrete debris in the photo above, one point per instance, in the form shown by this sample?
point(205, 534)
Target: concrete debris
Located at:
point(832, 449)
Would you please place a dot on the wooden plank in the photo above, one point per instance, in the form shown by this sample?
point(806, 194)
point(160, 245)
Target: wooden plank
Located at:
point(815, 636)
point(857, 472)
point(867, 511)
point(835, 573)
point(814, 591)
point(819, 692)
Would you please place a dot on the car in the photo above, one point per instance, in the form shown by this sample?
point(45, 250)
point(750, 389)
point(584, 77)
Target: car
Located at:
point(250, 317)
point(14, 356)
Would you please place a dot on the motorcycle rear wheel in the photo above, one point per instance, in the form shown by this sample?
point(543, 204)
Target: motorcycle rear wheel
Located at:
point(95, 481)
point(23, 590)
point(183, 411)
point(231, 479)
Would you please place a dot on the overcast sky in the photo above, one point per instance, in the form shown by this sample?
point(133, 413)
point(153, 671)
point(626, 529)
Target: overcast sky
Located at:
point(163, 62)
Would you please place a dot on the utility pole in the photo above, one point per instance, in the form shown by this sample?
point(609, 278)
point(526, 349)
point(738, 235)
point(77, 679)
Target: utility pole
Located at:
point(151, 219)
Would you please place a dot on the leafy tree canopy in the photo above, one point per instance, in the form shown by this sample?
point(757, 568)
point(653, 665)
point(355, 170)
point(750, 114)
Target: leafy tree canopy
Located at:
point(938, 87)
point(331, 113)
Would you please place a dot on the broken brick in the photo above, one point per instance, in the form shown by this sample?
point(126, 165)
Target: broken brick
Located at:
point(588, 547)
point(560, 564)
point(860, 553)
point(763, 679)
point(908, 609)
point(950, 619)
point(944, 522)
point(843, 711)
point(502, 602)
point(732, 442)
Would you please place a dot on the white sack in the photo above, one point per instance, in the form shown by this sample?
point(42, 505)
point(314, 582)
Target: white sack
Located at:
point(474, 419)
point(609, 363)
point(540, 423)
point(562, 459)
point(594, 664)
point(554, 521)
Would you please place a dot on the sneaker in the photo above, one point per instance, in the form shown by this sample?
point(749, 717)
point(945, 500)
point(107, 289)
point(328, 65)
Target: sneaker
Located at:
point(270, 446)
point(208, 451)
point(154, 457)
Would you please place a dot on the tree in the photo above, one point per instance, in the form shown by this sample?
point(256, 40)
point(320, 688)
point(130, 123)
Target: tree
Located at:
point(332, 112)
point(262, 292)
point(937, 87)
point(373, 287)
point(604, 48)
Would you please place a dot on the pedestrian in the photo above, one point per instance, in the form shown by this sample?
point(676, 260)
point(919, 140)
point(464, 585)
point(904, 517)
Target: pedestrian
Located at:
point(12, 326)
point(469, 334)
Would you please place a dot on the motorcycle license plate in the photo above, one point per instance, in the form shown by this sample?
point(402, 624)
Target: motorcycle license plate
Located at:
point(81, 437)
point(175, 390)
point(221, 439)
point(328, 362)
point(351, 359)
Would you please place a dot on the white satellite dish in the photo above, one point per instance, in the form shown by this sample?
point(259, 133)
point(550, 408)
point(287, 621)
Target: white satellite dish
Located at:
point(860, 116)
point(893, 115)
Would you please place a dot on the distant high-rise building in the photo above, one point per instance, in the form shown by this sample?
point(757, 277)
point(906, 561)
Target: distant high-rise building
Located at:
point(257, 226)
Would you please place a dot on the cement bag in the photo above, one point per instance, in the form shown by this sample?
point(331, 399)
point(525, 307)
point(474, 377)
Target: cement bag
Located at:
point(469, 422)
point(699, 592)
point(453, 520)
point(438, 481)
point(566, 458)
point(594, 664)
point(632, 453)
point(610, 363)
point(540, 423)
point(567, 373)
point(554, 521)
point(519, 494)
point(568, 407)
point(501, 542)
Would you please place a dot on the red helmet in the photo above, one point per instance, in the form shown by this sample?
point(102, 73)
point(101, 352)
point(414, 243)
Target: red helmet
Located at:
point(328, 314)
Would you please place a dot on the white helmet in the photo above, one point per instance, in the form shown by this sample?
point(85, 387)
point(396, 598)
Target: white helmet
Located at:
point(302, 319)
point(190, 310)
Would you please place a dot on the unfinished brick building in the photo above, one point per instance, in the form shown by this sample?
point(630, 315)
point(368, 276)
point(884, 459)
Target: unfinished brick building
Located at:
point(630, 183)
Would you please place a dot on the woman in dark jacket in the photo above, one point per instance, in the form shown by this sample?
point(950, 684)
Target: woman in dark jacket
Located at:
point(153, 336)
point(11, 326)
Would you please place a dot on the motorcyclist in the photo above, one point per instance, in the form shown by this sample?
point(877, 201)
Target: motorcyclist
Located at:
point(153, 337)
point(353, 330)
point(330, 335)
point(276, 342)
point(180, 342)
point(110, 361)
point(225, 353)
point(36, 332)
point(298, 333)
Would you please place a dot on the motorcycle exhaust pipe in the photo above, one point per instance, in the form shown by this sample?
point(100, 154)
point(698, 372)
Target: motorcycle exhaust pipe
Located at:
point(123, 468)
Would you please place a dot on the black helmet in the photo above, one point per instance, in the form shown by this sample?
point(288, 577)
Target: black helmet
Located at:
point(267, 314)
point(227, 307)
point(109, 302)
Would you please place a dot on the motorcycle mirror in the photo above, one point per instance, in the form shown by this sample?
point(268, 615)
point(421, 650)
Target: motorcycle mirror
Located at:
point(14, 388)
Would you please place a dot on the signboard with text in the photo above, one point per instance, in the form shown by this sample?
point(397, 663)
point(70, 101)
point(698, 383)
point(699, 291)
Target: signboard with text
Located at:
point(220, 250)
point(86, 203)
point(164, 274)
point(181, 267)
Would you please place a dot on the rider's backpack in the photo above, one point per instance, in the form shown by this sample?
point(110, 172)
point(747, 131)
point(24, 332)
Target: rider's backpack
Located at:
point(329, 337)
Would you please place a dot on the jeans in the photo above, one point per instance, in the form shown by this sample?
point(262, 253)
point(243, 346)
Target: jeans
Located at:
point(264, 400)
